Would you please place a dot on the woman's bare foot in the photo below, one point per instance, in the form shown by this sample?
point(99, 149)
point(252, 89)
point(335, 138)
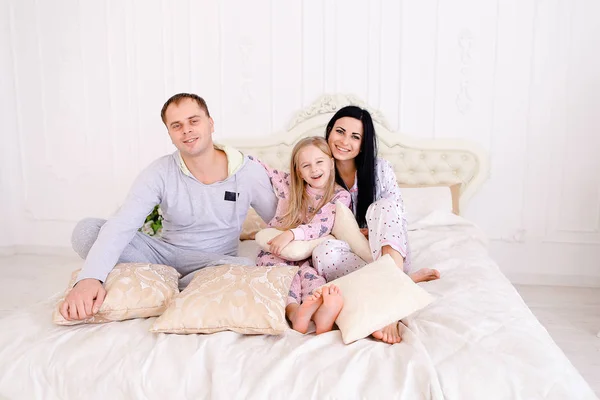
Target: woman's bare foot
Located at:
point(330, 309)
point(425, 275)
point(422, 275)
point(390, 334)
point(301, 317)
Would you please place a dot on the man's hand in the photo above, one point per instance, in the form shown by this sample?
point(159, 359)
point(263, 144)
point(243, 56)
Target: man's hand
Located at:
point(84, 300)
point(365, 231)
point(280, 241)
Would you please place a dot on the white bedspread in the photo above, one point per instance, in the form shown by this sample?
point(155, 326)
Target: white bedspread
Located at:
point(477, 341)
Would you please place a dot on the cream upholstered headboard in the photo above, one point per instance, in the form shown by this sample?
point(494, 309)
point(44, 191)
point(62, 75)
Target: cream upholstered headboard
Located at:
point(415, 161)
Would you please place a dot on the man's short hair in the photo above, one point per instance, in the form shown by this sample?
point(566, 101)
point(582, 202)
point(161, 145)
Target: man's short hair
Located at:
point(177, 99)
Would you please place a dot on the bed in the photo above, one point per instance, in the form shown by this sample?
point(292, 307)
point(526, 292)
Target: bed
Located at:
point(477, 340)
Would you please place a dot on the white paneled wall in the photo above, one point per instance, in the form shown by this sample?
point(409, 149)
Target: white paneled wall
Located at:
point(82, 84)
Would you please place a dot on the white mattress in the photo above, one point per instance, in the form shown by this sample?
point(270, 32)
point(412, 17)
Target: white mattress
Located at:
point(478, 340)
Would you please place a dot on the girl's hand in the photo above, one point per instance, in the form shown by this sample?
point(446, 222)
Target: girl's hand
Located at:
point(365, 231)
point(280, 241)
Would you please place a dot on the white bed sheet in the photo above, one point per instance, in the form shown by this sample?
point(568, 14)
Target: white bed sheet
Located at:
point(478, 340)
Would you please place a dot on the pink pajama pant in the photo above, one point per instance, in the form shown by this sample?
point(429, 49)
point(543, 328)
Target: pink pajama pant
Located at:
point(305, 281)
point(334, 259)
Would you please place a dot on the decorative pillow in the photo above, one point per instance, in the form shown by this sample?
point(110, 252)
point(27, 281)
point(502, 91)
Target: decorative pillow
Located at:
point(346, 228)
point(375, 296)
point(133, 290)
point(252, 224)
point(239, 298)
point(422, 200)
point(295, 251)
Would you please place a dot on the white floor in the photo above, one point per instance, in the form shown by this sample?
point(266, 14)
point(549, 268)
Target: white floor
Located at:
point(571, 315)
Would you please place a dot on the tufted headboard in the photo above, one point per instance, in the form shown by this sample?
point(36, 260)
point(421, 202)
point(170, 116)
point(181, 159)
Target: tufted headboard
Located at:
point(415, 161)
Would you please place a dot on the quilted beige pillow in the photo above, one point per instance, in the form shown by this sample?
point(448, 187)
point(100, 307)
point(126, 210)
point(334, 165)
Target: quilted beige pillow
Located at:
point(346, 228)
point(252, 224)
point(297, 250)
point(133, 290)
point(375, 296)
point(239, 298)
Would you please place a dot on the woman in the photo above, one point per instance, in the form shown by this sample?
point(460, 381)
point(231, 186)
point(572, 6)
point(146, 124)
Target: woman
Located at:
point(376, 202)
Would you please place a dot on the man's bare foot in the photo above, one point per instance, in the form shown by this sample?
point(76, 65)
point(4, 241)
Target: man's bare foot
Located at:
point(425, 275)
point(304, 313)
point(390, 334)
point(330, 309)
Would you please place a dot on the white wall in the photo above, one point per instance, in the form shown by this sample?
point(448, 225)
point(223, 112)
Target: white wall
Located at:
point(82, 84)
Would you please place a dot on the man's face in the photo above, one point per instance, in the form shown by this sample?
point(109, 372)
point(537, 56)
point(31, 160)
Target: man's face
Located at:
point(189, 127)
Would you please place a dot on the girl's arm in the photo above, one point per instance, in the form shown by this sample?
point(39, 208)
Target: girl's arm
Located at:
point(322, 222)
point(279, 180)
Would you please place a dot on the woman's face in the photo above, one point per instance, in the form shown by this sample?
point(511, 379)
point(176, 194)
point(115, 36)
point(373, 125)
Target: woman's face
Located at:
point(345, 138)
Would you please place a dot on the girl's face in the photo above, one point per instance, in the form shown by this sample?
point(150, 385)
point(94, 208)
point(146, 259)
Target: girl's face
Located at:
point(315, 167)
point(345, 138)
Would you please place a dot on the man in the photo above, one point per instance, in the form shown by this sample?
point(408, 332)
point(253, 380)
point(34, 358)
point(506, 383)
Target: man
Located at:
point(204, 191)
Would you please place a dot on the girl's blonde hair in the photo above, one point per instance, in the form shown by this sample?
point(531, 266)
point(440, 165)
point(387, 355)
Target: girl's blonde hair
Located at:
point(298, 212)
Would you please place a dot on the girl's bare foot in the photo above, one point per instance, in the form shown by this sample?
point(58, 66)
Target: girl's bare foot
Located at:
point(425, 275)
point(304, 313)
point(330, 309)
point(390, 334)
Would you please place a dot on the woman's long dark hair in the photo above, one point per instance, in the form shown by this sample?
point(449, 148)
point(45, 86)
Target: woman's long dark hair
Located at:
point(365, 160)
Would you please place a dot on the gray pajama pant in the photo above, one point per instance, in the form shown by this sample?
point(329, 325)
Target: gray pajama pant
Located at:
point(144, 248)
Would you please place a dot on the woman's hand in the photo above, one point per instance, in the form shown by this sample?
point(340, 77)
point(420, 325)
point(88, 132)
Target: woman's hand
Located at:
point(280, 241)
point(365, 231)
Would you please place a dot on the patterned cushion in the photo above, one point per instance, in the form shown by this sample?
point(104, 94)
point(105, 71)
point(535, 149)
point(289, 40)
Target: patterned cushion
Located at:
point(133, 290)
point(243, 299)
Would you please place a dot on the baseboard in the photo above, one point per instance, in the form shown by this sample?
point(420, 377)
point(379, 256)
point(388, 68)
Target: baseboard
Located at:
point(7, 251)
point(553, 280)
point(38, 250)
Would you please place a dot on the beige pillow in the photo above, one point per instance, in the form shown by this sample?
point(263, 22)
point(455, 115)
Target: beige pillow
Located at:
point(239, 298)
point(375, 296)
point(346, 228)
point(297, 250)
point(133, 290)
point(252, 224)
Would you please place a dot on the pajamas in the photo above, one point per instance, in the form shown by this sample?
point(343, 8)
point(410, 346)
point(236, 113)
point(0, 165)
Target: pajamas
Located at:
point(385, 221)
point(307, 279)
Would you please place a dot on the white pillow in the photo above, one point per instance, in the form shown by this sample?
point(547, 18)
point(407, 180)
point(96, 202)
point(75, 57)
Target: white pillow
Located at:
point(297, 250)
point(420, 201)
point(346, 228)
point(375, 296)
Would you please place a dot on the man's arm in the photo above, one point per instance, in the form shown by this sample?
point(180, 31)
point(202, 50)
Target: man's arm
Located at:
point(86, 297)
point(120, 229)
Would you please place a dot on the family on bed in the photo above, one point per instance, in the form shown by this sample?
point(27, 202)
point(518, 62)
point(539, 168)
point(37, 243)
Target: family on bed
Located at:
point(205, 191)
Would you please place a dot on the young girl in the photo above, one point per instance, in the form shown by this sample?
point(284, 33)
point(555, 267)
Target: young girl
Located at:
point(306, 211)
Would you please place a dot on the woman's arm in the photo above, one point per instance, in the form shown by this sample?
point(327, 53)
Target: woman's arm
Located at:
point(387, 185)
